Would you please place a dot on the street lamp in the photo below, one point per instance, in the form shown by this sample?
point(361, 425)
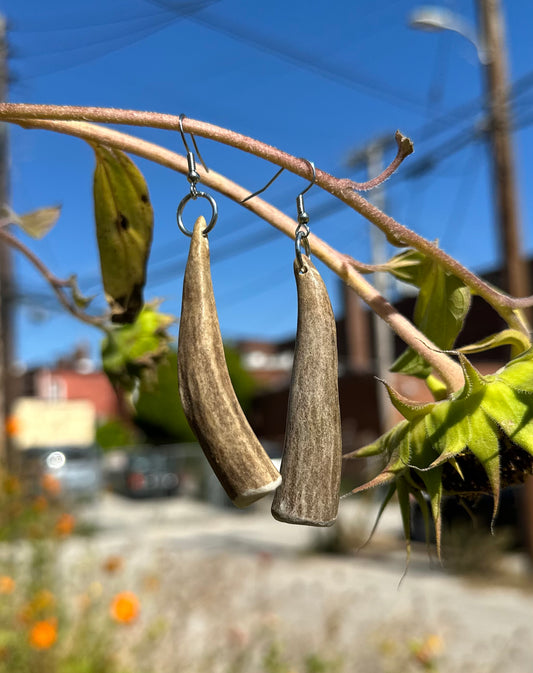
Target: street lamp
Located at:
point(432, 18)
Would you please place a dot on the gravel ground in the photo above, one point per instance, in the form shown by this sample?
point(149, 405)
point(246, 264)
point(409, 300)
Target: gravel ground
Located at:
point(231, 591)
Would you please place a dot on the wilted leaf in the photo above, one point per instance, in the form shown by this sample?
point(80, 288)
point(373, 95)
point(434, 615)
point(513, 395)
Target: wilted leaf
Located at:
point(78, 298)
point(38, 223)
point(124, 223)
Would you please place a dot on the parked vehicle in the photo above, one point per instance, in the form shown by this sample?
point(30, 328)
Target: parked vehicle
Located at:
point(75, 471)
point(144, 472)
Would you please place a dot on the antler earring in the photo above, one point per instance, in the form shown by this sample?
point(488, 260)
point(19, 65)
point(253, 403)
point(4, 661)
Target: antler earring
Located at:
point(211, 407)
point(312, 453)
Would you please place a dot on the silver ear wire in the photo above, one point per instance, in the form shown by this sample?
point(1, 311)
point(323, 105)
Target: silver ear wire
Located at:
point(187, 148)
point(263, 189)
point(194, 177)
point(302, 230)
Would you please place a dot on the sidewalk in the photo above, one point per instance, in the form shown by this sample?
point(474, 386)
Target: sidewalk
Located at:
point(226, 570)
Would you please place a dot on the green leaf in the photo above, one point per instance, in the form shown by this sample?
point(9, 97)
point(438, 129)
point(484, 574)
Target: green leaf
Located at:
point(405, 510)
point(376, 447)
point(440, 310)
point(518, 373)
point(502, 404)
point(484, 444)
point(436, 387)
point(444, 429)
point(407, 266)
point(474, 382)
point(78, 298)
point(124, 222)
point(507, 337)
point(433, 486)
point(441, 306)
point(411, 363)
point(408, 409)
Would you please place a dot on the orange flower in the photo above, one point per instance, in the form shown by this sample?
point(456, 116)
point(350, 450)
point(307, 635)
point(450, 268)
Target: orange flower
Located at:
point(7, 584)
point(43, 634)
point(125, 607)
point(51, 484)
point(65, 524)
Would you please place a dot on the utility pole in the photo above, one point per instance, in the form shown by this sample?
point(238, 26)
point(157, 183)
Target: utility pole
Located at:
point(372, 156)
point(492, 34)
point(6, 272)
point(516, 271)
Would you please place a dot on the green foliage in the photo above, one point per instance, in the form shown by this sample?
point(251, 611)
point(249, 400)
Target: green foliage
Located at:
point(159, 412)
point(114, 433)
point(124, 223)
point(441, 307)
point(46, 624)
point(462, 444)
point(131, 353)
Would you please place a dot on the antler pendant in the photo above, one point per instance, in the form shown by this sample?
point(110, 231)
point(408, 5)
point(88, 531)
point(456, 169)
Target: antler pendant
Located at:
point(211, 407)
point(312, 455)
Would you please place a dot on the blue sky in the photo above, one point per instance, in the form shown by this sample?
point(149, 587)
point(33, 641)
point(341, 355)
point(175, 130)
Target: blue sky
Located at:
point(318, 80)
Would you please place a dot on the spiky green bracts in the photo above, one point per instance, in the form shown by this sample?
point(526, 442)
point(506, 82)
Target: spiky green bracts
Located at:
point(479, 440)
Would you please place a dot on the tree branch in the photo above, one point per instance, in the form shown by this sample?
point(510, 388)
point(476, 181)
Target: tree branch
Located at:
point(447, 368)
point(343, 189)
point(57, 284)
point(405, 148)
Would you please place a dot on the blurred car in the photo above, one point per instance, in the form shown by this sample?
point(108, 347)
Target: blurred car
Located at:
point(73, 472)
point(144, 472)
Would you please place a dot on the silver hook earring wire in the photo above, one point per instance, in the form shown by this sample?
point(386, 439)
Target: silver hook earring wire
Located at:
point(301, 235)
point(302, 230)
point(263, 189)
point(195, 145)
point(193, 177)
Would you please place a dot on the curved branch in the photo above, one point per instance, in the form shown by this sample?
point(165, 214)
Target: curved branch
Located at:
point(55, 283)
point(448, 369)
point(405, 148)
point(343, 189)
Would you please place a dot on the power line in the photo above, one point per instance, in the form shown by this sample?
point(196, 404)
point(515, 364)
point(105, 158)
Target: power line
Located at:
point(183, 8)
point(427, 162)
point(108, 45)
point(303, 59)
point(111, 48)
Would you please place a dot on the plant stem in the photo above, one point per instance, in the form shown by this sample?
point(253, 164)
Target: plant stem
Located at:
point(447, 368)
point(343, 189)
point(56, 284)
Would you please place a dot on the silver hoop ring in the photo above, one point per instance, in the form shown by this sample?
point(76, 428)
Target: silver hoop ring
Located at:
point(185, 201)
point(300, 242)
